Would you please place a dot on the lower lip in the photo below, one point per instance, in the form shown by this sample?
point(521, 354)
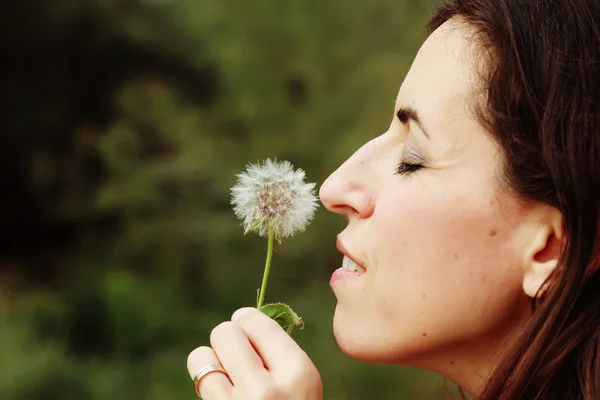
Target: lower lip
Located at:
point(345, 274)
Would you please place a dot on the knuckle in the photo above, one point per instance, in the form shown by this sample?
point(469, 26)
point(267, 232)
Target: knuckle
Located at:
point(200, 352)
point(269, 323)
point(267, 392)
point(272, 325)
point(256, 322)
point(198, 355)
point(302, 376)
point(220, 331)
point(301, 379)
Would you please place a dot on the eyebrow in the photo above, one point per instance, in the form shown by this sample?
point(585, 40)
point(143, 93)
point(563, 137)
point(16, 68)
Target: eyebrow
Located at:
point(405, 114)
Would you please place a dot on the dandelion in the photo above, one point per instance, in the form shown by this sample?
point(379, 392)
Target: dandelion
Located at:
point(273, 196)
point(272, 199)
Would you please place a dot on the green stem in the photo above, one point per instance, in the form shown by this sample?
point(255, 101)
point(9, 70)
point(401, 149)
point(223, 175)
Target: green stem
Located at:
point(263, 287)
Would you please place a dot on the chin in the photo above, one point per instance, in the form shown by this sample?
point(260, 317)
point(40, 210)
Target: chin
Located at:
point(356, 342)
point(348, 338)
point(353, 348)
point(363, 342)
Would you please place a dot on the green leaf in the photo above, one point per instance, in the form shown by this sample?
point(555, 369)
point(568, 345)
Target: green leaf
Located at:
point(283, 315)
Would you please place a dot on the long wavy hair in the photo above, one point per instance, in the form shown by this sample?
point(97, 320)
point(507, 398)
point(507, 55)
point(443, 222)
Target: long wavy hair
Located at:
point(542, 106)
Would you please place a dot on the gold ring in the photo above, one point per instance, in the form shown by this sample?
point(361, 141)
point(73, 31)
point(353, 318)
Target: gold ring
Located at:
point(205, 371)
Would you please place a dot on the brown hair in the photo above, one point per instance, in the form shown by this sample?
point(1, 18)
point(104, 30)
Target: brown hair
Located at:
point(543, 108)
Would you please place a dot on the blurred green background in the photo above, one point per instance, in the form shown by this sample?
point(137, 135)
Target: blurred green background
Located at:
point(124, 124)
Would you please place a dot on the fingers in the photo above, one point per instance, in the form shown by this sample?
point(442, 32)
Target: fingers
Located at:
point(276, 348)
point(261, 360)
point(237, 355)
point(215, 385)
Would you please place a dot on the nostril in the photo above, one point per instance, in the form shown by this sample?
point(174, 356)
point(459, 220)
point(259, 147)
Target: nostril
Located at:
point(343, 209)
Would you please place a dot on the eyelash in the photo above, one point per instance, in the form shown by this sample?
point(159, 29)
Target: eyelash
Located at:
point(405, 168)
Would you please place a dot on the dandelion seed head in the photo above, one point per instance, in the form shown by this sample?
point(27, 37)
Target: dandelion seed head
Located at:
point(273, 194)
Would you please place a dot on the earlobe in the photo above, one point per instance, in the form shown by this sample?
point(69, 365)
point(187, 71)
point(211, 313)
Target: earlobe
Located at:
point(546, 241)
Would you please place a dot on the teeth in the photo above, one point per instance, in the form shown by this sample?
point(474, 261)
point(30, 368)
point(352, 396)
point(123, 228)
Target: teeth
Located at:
point(350, 265)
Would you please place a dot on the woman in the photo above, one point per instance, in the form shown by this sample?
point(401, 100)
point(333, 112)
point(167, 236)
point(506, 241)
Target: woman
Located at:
point(473, 220)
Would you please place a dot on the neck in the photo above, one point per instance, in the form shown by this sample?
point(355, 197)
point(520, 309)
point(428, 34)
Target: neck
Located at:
point(469, 364)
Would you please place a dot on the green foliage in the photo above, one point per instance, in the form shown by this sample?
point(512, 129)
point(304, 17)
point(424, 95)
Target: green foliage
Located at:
point(283, 315)
point(150, 108)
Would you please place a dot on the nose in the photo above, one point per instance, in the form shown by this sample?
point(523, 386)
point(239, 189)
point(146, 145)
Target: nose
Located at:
point(350, 189)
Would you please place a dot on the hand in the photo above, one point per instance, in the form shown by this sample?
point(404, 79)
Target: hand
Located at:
point(261, 359)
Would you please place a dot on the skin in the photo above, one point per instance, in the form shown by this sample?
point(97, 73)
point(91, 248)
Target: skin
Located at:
point(452, 257)
point(443, 285)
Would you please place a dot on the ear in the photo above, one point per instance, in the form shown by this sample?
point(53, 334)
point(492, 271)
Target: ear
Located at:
point(545, 240)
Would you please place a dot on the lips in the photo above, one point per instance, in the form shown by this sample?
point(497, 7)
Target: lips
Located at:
point(344, 251)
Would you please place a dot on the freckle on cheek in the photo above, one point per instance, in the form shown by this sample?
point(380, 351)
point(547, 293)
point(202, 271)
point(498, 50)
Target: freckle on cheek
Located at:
point(493, 232)
point(455, 256)
point(424, 334)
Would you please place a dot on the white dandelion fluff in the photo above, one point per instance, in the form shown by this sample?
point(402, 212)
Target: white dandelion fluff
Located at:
point(273, 195)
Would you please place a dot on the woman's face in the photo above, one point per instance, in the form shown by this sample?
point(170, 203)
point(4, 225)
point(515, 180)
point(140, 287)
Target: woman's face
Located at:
point(430, 222)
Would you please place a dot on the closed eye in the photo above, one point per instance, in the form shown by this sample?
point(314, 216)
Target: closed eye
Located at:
point(405, 168)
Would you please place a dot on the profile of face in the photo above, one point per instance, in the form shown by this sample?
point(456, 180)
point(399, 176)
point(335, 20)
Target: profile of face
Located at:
point(445, 245)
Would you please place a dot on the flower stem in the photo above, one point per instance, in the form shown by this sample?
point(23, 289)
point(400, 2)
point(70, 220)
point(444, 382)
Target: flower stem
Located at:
point(263, 287)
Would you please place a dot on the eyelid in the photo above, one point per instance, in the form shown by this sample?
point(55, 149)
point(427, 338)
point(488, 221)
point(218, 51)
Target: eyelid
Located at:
point(411, 154)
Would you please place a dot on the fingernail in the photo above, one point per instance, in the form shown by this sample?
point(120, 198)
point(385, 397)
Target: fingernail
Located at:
point(240, 313)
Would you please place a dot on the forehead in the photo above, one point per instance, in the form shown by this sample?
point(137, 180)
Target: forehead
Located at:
point(442, 81)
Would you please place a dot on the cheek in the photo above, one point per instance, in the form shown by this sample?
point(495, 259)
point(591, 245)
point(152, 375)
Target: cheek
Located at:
point(443, 260)
point(448, 226)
